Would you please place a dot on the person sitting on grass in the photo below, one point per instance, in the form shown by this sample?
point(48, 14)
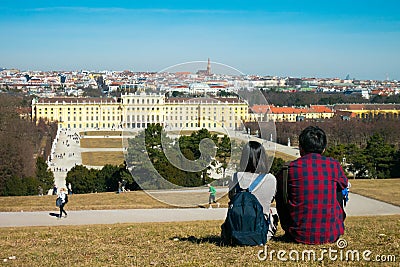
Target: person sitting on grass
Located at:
point(253, 165)
point(311, 207)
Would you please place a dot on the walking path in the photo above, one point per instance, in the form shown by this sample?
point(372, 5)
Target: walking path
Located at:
point(67, 154)
point(357, 206)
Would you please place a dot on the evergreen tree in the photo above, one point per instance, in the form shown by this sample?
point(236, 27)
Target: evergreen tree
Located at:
point(224, 153)
point(395, 171)
point(139, 162)
point(107, 180)
point(356, 161)
point(83, 179)
point(43, 174)
point(15, 187)
point(379, 156)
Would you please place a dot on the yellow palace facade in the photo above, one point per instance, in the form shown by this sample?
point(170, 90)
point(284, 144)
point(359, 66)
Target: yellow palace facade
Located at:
point(134, 111)
point(365, 111)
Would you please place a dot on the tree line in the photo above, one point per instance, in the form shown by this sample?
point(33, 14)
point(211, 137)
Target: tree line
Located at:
point(377, 159)
point(338, 131)
point(23, 147)
point(366, 147)
point(107, 179)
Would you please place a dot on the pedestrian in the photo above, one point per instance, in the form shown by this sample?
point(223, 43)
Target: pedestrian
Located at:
point(54, 189)
point(69, 189)
point(309, 195)
point(64, 200)
point(119, 187)
point(211, 198)
point(123, 185)
point(40, 191)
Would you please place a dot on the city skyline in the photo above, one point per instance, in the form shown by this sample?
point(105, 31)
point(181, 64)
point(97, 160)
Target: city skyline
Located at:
point(285, 38)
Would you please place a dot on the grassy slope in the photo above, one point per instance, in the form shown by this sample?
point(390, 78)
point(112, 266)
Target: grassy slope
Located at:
point(180, 244)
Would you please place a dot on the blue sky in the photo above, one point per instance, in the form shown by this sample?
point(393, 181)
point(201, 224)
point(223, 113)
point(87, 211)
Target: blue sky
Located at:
point(283, 38)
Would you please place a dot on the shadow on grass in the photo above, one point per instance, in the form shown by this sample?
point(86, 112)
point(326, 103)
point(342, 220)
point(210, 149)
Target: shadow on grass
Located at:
point(212, 239)
point(284, 239)
point(217, 240)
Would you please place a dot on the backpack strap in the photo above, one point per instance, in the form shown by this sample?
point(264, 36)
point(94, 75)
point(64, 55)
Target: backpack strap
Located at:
point(256, 182)
point(285, 174)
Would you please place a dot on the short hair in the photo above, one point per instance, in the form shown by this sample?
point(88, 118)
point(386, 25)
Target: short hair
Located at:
point(312, 140)
point(254, 158)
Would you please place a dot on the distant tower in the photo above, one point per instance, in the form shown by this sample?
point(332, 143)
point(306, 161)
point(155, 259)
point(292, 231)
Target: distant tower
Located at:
point(209, 67)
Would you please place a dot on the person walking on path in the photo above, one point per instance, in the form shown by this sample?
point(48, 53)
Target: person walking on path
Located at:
point(54, 189)
point(69, 189)
point(40, 191)
point(64, 200)
point(309, 196)
point(119, 187)
point(212, 196)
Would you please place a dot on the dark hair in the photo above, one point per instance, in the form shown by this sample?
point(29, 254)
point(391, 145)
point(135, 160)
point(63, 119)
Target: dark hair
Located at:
point(254, 158)
point(312, 140)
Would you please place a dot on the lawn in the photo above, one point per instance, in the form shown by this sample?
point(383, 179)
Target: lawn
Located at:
point(190, 244)
point(101, 143)
point(101, 158)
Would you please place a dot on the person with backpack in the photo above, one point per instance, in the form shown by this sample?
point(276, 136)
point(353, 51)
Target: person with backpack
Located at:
point(309, 196)
point(63, 196)
point(250, 219)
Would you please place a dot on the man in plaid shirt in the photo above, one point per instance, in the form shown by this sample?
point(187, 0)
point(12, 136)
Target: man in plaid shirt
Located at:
point(313, 214)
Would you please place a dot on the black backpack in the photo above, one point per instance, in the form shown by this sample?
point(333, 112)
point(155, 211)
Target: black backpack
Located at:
point(245, 223)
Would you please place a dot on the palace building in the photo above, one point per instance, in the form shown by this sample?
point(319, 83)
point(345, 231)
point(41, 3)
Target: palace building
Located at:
point(134, 111)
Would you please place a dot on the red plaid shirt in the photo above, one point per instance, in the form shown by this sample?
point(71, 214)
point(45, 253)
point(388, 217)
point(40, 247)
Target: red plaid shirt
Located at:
point(313, 214)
